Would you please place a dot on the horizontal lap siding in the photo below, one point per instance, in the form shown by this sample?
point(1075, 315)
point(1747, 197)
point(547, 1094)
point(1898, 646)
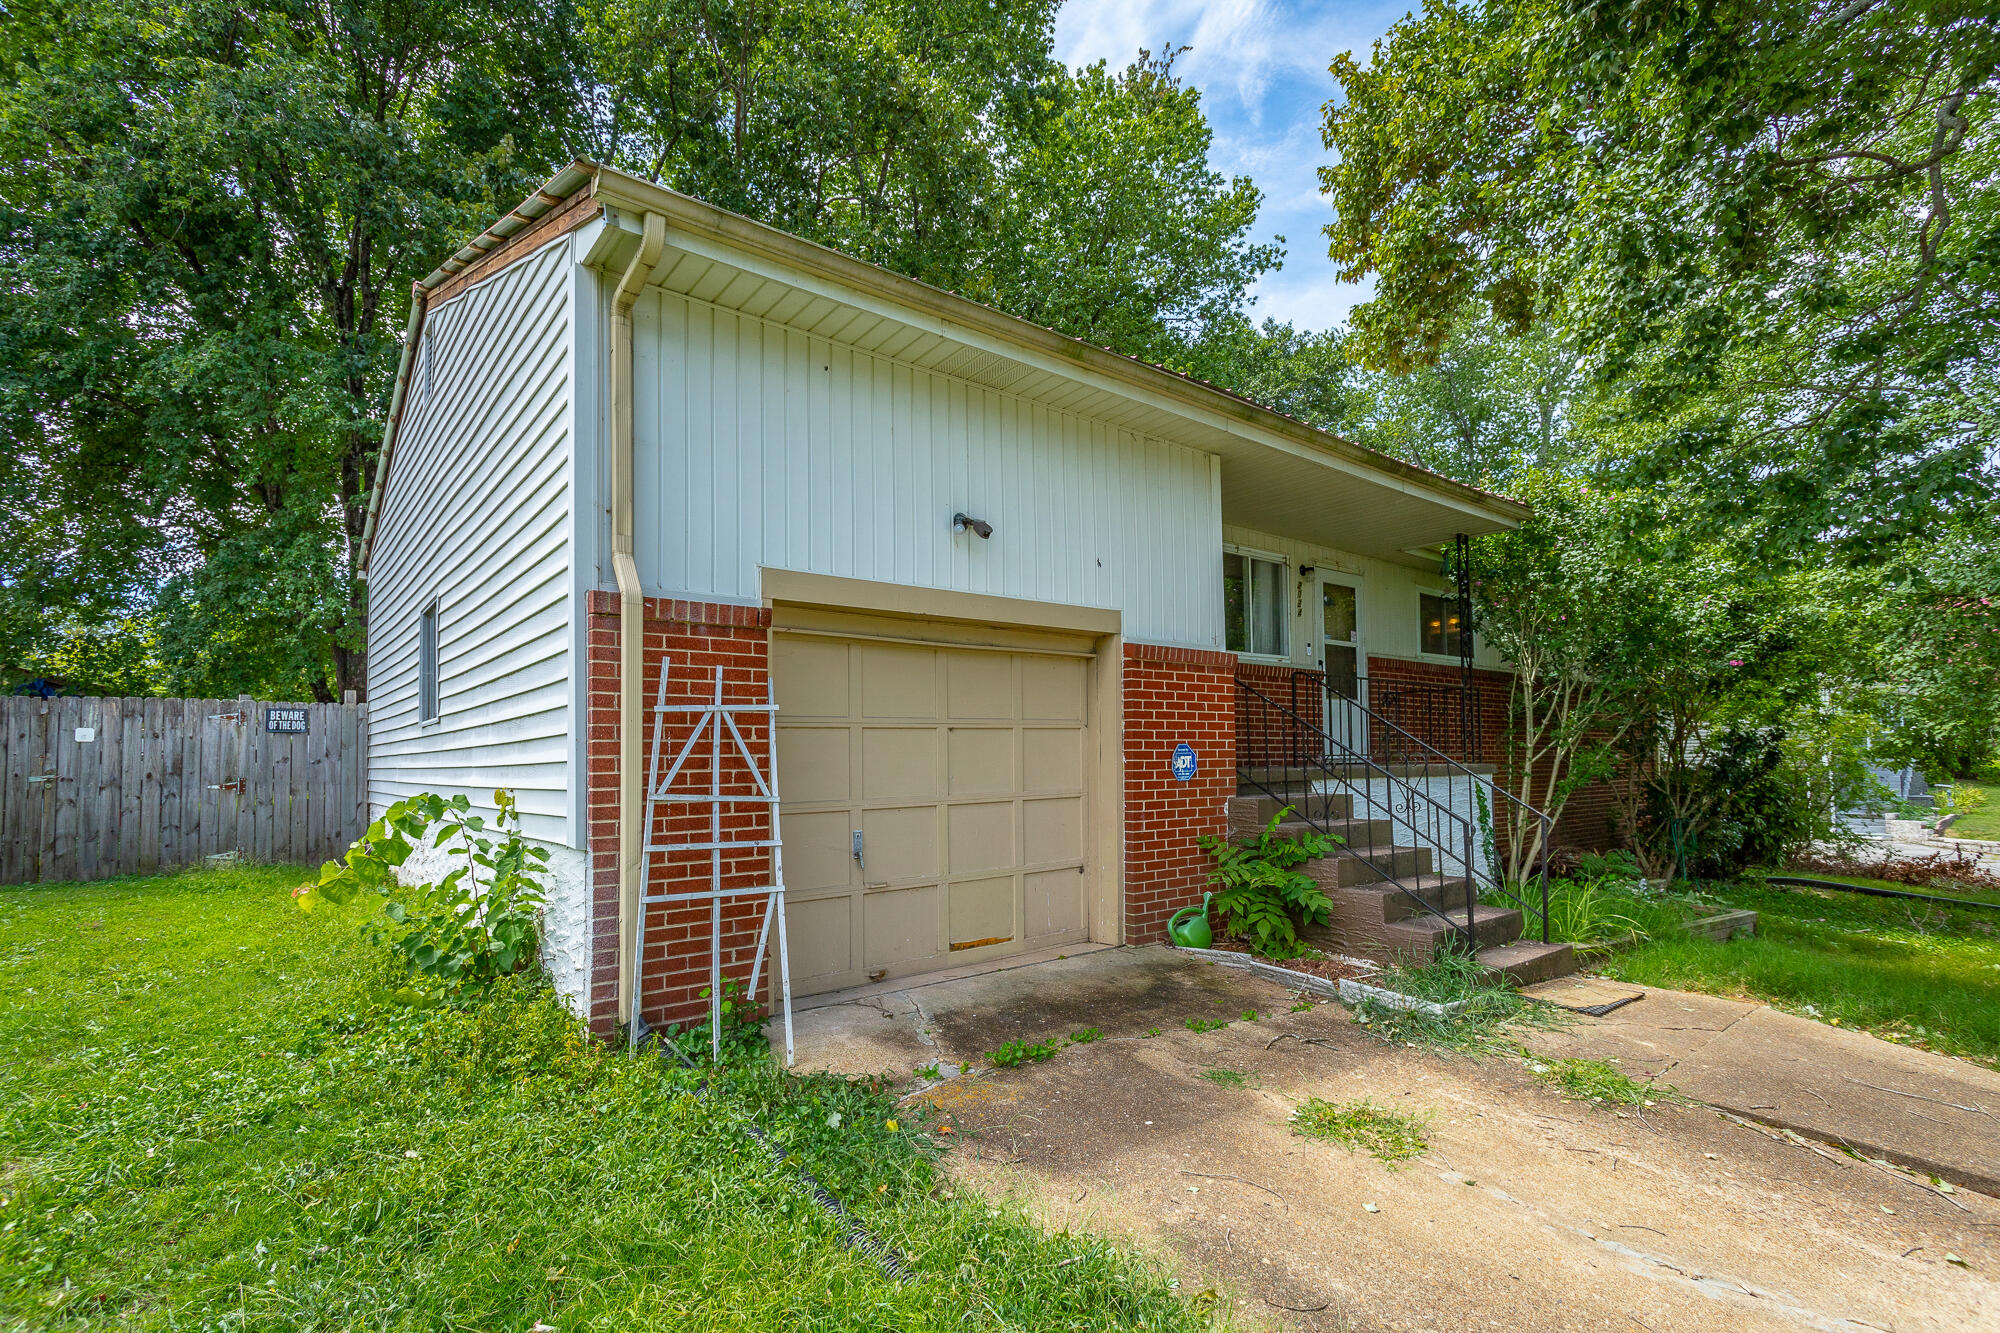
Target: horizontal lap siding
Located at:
point(477, 514)
point(758, 445)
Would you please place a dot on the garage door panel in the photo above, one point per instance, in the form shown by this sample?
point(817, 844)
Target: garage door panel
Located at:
point(981, 837)
point(897, 681)
point(900, 843)
point(810, 676)
point(1052, 830)
point(1052, 689)
point(1054, 903)
point(899, 925)
point(979, 685)
point(813, 764)
point(1051, 759)
point(899, 763)
point(980, 760)
point(982, 912)
point(819, 850)
point(819, 936)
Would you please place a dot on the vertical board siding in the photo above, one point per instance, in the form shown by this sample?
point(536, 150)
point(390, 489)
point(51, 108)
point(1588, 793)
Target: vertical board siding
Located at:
point(760, 445)
point(167, 782)
point(477, 515)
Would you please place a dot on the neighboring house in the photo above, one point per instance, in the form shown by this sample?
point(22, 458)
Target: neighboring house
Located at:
point(622, 404)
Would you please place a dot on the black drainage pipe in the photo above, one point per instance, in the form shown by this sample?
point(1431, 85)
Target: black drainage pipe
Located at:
point(1801, 882)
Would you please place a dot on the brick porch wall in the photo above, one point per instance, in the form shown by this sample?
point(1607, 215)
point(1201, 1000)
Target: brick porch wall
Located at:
point(1173, 695)
point(691, 639)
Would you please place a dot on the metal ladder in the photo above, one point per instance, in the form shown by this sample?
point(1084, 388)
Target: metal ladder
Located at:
point(712, 719)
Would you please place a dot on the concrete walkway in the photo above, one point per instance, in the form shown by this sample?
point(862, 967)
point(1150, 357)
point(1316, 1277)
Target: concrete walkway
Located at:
point(1929, 1112)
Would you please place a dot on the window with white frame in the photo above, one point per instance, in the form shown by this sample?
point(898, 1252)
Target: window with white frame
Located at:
point(1253, 604)
point(1439, 631)
point(427, 664)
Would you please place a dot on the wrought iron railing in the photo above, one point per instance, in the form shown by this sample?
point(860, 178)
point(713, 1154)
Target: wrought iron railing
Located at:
point(1425, 796)
point(1443, 718)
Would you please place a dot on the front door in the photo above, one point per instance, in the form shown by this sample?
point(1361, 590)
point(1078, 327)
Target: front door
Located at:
point(1342, 659)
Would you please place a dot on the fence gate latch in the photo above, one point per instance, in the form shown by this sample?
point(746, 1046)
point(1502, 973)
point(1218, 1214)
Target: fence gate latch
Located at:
point(239, 786)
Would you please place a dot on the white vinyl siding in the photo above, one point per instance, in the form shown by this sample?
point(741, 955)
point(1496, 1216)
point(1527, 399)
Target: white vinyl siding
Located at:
point(476, 517)
point(758, 445)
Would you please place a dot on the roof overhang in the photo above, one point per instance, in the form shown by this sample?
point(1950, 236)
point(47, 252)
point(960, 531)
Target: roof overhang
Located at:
point(1279, 475)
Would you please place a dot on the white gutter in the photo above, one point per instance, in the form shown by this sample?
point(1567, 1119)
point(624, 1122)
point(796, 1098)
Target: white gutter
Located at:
point(631, 608)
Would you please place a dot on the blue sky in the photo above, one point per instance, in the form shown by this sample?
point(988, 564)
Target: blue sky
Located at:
point(1261, 68)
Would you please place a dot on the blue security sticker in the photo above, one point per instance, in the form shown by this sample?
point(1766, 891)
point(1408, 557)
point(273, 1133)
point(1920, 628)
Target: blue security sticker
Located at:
point(1183, 762)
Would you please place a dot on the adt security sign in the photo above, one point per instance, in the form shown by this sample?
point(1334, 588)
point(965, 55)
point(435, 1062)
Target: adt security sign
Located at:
point(1183, 763)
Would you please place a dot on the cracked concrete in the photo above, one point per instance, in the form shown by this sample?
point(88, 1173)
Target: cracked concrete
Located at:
point(1925, 1111)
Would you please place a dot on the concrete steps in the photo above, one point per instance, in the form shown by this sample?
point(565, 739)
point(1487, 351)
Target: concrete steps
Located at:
point(1388, 902)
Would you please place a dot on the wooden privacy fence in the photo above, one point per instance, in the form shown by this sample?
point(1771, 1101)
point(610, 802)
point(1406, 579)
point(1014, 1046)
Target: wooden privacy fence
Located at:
point(91, 788)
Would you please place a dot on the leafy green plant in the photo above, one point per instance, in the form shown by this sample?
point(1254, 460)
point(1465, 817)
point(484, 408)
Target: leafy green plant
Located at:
point(1225, 1078)
point(1264, 897)
point(1018, 1052)
point(1084, 1036)
point(1390, 1137)
point(1206, 1024)
point(476, 923)
point(742, 1040)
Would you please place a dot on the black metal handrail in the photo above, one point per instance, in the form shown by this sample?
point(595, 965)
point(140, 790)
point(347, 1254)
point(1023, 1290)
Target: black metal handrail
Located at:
point(1281, 739)
point(1432, 712)
point(1356, 740)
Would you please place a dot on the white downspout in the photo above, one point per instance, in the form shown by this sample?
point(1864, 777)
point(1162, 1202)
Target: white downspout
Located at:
point(631, 607)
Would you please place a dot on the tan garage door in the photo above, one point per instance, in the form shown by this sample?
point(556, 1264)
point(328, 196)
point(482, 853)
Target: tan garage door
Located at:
point(934, 804)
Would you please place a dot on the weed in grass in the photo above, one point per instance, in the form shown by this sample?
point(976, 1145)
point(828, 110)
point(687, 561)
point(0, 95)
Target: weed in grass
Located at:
point(1250, 1015)
point(1206, 1024)
point(1303, 1005)
point(929, 1073)
point(1225, 1078)
point(1084, 1036)
point(1390, 1137)
point(1152, 1032)
point(1018, 1052)
point(1596, 1081)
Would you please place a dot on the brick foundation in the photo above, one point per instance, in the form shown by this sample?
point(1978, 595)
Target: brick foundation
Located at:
point(1173, 695)
point(691, 639)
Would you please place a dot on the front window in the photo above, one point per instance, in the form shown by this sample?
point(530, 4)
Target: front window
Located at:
point(1253, 604)
point(1440, 630)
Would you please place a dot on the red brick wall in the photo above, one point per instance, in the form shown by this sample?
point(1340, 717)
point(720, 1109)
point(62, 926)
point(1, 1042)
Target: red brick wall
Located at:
point(691, 639)
point(1173, 695)
point(1585, 823)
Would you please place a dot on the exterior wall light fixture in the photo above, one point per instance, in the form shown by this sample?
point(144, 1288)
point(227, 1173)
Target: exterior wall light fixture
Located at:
point(981, 528)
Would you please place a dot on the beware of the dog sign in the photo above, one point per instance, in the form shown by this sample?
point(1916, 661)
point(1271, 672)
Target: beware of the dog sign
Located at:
point(289, 720)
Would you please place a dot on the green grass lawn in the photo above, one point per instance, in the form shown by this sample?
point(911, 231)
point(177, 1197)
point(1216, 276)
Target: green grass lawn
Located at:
point(1918, 973)
point(216, 1114)
point(1985, 821)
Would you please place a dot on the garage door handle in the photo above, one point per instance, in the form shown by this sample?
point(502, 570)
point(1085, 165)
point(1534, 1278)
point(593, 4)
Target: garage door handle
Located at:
point(859, 859)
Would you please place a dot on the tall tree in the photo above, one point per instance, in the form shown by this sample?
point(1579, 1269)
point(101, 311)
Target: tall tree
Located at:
point(1773, 225)
point(212, 216)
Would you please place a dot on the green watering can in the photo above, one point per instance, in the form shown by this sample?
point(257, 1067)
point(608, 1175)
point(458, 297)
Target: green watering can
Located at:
point(1189, 926)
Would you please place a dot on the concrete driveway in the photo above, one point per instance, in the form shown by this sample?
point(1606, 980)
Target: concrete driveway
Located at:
point(1527, 1211)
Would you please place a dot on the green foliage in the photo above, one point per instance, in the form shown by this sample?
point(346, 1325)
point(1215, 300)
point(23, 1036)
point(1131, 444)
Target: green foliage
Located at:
point(1084, 1036)
point(215, 215)
point(475, 924)
point(1484, 1011)
point(216, 1117)
point(1225, 1078)
point(1205, 1024)
point(1791, 324)
point(1020, 1052)
point(1264, 896)
point(1390, 1137)
point(1596, 1081)
point(742, 1040)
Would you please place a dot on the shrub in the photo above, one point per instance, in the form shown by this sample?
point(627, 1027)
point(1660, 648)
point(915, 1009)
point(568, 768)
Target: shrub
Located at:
point(1264, 896)
point(475, 924)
